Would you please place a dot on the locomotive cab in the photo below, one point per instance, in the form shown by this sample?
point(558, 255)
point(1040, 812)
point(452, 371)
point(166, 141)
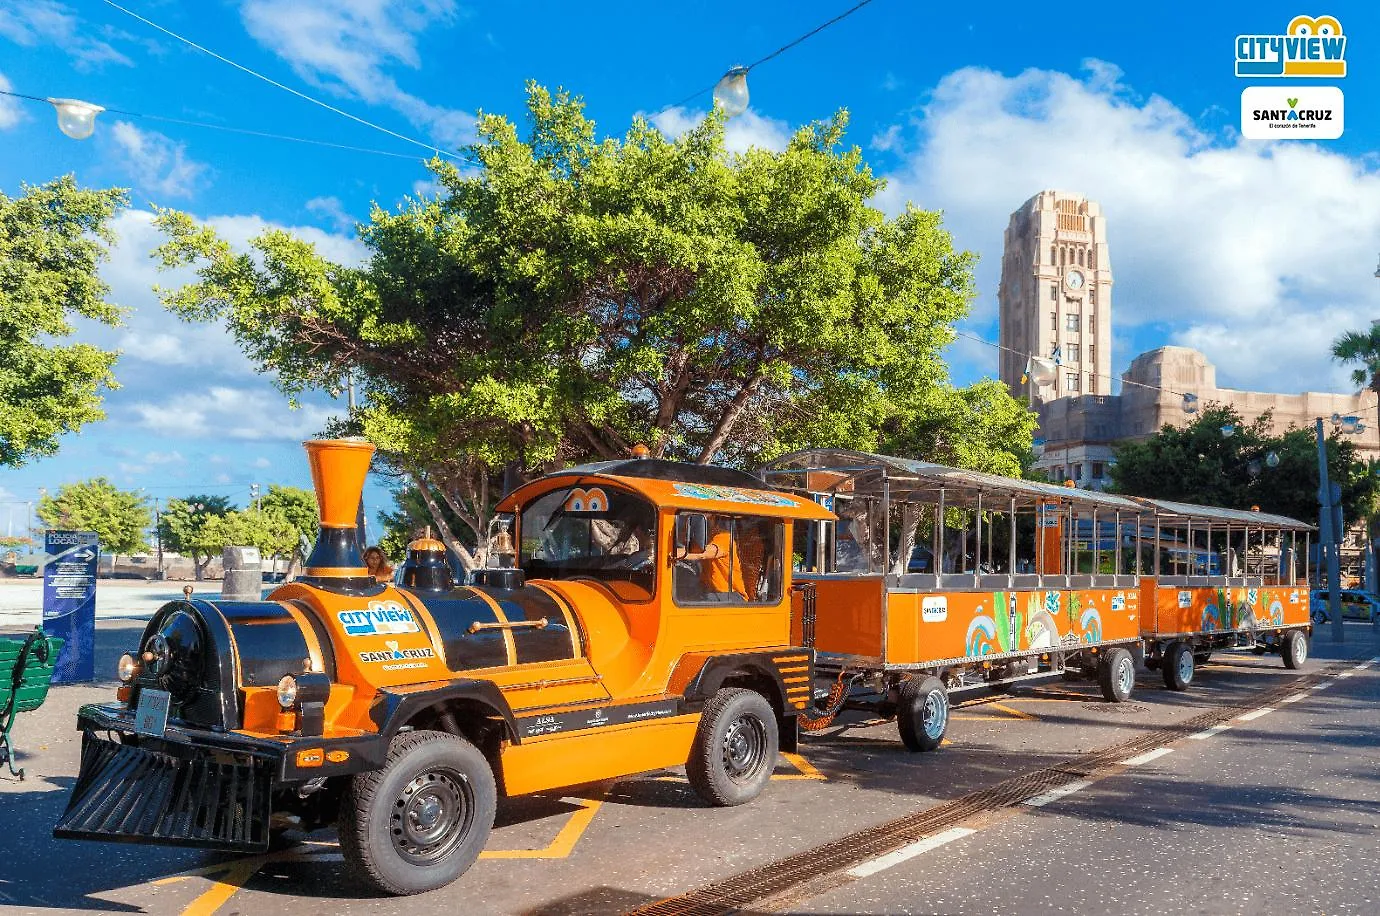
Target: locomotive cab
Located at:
point(637, 617)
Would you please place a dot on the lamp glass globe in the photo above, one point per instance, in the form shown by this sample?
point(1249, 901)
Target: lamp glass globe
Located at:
point(731, 92)
point(76, 119)
point(1272, 460)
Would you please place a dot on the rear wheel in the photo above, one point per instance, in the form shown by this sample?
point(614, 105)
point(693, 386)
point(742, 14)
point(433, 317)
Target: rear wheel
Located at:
point(735, 748)
point(1178, 666)
point(923, 714)
point(419, 822)
point(1116, 675)
point(1294, 647)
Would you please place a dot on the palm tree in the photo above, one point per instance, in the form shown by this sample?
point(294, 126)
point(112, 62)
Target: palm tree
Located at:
point(1361, 347)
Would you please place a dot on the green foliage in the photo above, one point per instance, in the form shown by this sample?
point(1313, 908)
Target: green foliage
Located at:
point(117, 516)
point(1363, 349)
point(52, 239)
point(269, 530)
point(297, 506)
point(1197, 464)
point(409, 519)
point(183, 527)
point(574, 296)
point(9, 543)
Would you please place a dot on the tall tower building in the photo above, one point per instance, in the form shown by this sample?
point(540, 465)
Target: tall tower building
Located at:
point(1055, 295)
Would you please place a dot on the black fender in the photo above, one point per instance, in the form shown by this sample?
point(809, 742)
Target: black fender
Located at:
point(791, 698)
point(395, 706)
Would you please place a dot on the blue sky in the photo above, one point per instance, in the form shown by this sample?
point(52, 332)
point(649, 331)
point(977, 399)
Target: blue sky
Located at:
point(1258, 254)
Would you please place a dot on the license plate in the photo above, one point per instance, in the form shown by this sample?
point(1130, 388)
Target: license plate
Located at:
point(151, 714)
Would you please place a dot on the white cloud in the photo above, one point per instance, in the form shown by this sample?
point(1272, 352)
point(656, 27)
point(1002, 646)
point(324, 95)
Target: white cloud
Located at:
point(331, 210)
point(747, 130)
point(35, 22)
point(1232, 244)
point(262, 463)
point(10, 111)
point(221, 411)
point(349, 46)
point(157, 163)
point(173, 457)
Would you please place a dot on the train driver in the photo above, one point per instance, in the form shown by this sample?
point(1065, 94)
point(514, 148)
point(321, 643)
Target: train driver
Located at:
point(720, 569)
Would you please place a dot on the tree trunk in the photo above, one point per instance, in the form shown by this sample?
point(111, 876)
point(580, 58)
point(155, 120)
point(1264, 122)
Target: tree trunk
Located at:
point(466, 559)
point(728, 418)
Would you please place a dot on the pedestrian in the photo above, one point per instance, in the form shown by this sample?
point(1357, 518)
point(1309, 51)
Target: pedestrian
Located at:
point(377, 564)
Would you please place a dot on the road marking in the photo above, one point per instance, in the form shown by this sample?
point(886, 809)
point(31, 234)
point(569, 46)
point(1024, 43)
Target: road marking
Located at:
point(1148, 756)
point(1376, 660)
point(1209, 732)
point(1347, 674)
point(1323, 686)
point(1255, 713)
point(1039, 801)
point(221, 891)
point(565, 840)
point(807, 771)
point(882, 863)
point(1294, 698)
point(1014, 713)
point(1362, 667)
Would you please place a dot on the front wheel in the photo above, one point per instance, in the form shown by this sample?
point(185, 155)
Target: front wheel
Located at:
point(421, 821)
point(1116, 675)
point(1294, 648)
point(923, 714)
point(735, 748)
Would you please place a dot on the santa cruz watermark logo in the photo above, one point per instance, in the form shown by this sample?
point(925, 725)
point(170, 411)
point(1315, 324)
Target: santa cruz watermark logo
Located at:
point(396, 654)
point(1291, 113)
point(1311, 46)
point(381, 618)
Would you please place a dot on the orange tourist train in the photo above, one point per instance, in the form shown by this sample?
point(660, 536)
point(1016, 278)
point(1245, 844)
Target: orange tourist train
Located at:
point(637, 615)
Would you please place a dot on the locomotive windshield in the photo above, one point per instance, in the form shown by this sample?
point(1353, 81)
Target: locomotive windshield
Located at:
point(591, 531)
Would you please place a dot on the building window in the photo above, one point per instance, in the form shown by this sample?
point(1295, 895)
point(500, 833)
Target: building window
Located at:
point(1092, 353)
point(1092, 294)
point(1092, 383)
point(1054, 293)
point(1097, 470)
point(1092, 324)
point(1061, 257)
point(1080, 257)
point(1052, 256)
point(1092, 260)
point(1071, 381)
point(1054, 321)
point(1071, 322)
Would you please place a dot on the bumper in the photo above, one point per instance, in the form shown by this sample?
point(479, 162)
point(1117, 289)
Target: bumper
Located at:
point(192, 787)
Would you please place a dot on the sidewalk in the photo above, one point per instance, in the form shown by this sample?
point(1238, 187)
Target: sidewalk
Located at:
point(21, 600)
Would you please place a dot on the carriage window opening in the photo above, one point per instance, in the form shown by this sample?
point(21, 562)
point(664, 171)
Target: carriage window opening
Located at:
point(741, 564)
point(593, 532)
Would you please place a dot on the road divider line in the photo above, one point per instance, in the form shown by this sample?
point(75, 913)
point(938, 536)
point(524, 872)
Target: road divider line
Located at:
point(1039, 801)
point(1347, 674)
point(1209, 732)
point(1255, 714)
point(905, 853)
point(1148, 756)
point(1362, 667)
point(1323, 686)
point(1294, 698)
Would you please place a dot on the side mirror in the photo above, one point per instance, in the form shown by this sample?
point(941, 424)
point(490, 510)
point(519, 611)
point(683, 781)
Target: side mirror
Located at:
point(692, 532)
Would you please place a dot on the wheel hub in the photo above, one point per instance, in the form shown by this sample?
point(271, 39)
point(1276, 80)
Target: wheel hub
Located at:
point(932, 714)
point(744, 748)
point(431, 815)
point(1126, 676)
point(1185, 666)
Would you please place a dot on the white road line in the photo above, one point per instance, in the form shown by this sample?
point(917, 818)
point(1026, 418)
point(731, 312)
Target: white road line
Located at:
point(1209, 732)
point(1362, 667)
point(1347, 674)
point(882, 863)
point(1376, 660)
point(1295, 698)
point(1255, 713)
point(1148, 756)
point(1323, 686)
point(1039, 801)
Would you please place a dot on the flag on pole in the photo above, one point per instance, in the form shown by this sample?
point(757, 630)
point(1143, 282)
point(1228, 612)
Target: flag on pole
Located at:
point(1025, 376)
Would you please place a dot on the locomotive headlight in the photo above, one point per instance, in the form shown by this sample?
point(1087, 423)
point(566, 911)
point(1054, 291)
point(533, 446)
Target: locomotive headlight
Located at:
point(127, 668)
point(287, 691)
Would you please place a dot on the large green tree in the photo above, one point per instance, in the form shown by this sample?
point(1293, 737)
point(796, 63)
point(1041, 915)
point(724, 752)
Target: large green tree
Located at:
point(1195, 463)
point(573, 296)
point(1362, 349)
point(53, 237)
point(185, 527)
point(119, 517)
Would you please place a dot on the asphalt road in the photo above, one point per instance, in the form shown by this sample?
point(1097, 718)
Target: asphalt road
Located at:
point(1276, 814)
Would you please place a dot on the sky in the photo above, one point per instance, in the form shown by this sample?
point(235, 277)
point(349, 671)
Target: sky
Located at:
point(1257, 253)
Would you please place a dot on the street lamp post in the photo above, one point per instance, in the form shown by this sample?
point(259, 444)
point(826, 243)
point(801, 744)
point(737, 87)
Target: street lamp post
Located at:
point(1329, 535)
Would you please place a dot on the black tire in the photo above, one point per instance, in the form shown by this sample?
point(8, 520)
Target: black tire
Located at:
point(421, 821)
point(735, 748)
point(923, 714)
point(1116, 675)
point(1293, 647)
point(1178, 666)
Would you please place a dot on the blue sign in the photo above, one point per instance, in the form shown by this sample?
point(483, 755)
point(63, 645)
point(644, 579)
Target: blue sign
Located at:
point(69, 602)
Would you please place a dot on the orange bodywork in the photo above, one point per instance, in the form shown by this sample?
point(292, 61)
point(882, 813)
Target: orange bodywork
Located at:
point(1174, 610)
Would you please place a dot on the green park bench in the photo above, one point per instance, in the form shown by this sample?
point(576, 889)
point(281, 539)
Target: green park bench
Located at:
point(26, 669)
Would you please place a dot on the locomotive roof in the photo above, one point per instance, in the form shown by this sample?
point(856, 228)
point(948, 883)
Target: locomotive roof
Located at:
point(678, 484)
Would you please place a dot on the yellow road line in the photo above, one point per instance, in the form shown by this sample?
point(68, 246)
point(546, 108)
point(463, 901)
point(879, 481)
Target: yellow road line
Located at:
point(807, 771)
point(222, 890)
point(1013, 712)
point(565, 840)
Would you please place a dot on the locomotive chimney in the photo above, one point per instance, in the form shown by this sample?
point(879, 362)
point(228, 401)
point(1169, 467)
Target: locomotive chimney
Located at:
point(338, 469)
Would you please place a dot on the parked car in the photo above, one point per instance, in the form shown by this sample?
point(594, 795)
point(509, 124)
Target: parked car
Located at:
point(1356, 605)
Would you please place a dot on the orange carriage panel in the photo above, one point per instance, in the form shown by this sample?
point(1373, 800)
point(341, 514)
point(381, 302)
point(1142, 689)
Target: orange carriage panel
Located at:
point(848, 614)
point(1219, 609)
point(925, 628)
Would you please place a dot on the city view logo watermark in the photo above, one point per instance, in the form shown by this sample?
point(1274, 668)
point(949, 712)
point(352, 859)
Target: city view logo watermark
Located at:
point(1311, 47)
point(1292, 113)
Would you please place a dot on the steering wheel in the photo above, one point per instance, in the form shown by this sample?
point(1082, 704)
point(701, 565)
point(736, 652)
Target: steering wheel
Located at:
point(641, 561)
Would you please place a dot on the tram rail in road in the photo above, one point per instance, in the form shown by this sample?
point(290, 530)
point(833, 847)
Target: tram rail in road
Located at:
point(865, 852)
